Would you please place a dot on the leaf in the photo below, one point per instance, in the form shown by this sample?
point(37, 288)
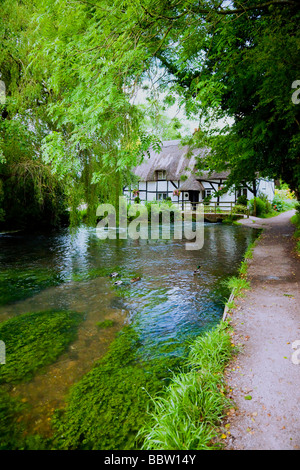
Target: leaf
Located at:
point(248, 397)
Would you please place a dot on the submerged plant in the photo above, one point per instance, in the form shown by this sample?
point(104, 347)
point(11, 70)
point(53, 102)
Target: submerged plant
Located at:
point(34, 340)
point(107, 407)
point(105, 324)
point(18, 284)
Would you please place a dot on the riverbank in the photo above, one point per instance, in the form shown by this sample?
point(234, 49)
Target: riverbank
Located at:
point(263, 380)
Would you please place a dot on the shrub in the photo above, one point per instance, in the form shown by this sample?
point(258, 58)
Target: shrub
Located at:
point(242, 200)
point(277, 203)
point(158, 206)
point(239, 209)
point(260, 206)
point(283, 200)
point(268, 205)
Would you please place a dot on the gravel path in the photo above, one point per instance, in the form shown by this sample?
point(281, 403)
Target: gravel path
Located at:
point(266, 323)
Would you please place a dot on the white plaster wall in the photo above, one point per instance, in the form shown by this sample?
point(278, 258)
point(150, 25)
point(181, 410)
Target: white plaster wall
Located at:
point(162, 186)
point(267, 187)
point(151, 185)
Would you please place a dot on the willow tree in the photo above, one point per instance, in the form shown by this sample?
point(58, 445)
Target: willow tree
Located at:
point(90, 68)
point(29, 193)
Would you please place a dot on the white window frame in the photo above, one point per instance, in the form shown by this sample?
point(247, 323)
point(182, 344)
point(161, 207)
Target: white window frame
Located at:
point(160, 196)
point(161, 175)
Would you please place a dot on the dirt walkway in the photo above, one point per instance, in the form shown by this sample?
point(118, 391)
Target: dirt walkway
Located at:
point(266, 322)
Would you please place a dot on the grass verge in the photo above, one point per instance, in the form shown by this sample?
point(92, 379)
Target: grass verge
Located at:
point(296, 221)
point(186, 416)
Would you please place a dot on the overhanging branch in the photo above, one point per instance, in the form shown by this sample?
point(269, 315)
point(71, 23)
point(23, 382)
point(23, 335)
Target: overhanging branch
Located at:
point(222, 11)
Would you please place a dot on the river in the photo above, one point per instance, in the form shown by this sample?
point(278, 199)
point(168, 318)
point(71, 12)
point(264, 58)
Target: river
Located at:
point(168, 306)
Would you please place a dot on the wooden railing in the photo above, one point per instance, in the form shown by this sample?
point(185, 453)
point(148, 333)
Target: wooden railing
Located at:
point(209, 208)
point(212, 207)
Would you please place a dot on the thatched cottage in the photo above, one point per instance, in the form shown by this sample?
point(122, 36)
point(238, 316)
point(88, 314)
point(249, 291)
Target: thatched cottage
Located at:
point(171, 174)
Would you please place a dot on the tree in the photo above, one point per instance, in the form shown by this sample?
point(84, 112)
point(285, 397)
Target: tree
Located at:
point(256, 59)
point(87, 67)
point(29, 193)
point(236, 60)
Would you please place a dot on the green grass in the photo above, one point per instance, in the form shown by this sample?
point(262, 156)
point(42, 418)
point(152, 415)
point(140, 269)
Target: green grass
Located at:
point(186, 415)
point(237, 284)
point(34, 340)
point(296, 221)
point(247, 256)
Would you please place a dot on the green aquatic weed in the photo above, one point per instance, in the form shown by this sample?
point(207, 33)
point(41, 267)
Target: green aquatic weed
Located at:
point(34, 340)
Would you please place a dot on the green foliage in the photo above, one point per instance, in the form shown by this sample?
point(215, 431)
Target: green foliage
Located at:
point(259, 205)
point(263, 132)
point(231, 219)
point(107, 407)
point(281, 202)
point(34, 340)
point(240, 209)
point(185, 416)
point(166, 206)
point(30, 194)
point(71, 87)
point(242, 200)
point(237, 284)
point(296, 220)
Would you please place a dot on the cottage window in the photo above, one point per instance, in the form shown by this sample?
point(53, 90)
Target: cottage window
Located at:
point(242, 192)
point(161, 196)
point(207, 193)
point(161, 175)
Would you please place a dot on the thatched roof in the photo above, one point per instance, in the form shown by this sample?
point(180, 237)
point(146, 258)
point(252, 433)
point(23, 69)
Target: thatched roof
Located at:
point(191, 184)
point(174, 160)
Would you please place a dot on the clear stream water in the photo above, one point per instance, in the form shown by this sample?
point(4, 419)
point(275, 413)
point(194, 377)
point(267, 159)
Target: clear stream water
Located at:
point(168, 306)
